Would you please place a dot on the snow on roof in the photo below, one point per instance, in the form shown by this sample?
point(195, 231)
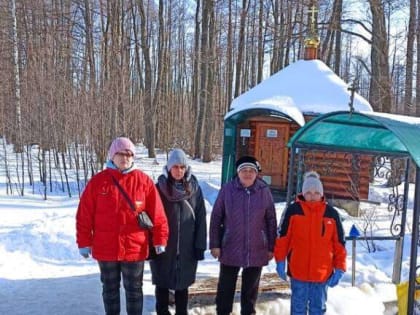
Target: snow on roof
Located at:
point(283, 104)
point(310, 84)
point(401, 118)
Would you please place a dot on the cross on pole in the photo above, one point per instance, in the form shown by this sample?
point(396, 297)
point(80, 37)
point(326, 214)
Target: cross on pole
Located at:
point(312, 11)
point(352, 90)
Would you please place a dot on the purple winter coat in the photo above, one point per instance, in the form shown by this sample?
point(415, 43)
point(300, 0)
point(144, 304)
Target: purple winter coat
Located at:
point(243, 224)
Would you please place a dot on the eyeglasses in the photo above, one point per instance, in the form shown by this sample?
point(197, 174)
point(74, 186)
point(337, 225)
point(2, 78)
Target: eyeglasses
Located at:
point(125, 154)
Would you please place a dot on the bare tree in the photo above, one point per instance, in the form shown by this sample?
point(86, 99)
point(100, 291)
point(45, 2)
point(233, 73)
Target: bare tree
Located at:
point(261, 46)
point(229, 58)
point(331, 46)
point(148, 105)
point(202, 96)
point(380, 85)
point(408, 96)
point(241, 47)
point(417, 105)
point(209, 121)
point(19, 147)
point(195, 103)
point(83, 72)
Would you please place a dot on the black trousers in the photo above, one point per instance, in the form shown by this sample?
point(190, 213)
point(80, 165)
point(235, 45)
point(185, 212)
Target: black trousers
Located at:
point(226, 286)
point(132, 275)
point(162, 301)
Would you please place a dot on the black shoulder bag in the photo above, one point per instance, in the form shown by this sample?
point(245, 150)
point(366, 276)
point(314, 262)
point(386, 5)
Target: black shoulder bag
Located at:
point(143, 219)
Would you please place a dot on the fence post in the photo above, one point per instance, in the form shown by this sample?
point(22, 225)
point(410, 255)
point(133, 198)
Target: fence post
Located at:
point(396, 272)
point(354, 234)
point(353, 262)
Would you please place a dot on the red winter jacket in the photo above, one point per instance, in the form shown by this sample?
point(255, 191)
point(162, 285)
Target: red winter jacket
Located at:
point(105, 221)
point(311, 236)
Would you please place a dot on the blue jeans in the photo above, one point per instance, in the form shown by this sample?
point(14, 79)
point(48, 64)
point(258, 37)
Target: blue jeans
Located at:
point(308, 296)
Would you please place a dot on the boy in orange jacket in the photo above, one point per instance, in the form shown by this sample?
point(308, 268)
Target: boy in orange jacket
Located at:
point(311, 237)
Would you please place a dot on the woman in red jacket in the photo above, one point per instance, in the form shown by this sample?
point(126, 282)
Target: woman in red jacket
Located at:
point(107, 227)
point(311, 237)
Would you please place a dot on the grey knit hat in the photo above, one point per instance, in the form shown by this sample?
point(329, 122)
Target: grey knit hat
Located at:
point(177, 156)
point(311, 182)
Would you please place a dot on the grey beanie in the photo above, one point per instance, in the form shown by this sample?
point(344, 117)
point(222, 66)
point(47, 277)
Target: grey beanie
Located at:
point(311, 182)
point(177, 156)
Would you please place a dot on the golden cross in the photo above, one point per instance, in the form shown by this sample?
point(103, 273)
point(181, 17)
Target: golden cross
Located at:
point(313, 11)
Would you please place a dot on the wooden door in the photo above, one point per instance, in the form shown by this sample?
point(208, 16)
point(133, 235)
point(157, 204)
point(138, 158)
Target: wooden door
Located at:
point(271, 150)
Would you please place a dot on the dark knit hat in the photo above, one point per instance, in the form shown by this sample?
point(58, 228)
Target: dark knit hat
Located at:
point(311, 182)
point(247, 161)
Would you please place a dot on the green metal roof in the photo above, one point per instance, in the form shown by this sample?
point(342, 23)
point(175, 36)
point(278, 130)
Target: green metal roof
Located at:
point(240, 116)
point(364, 132)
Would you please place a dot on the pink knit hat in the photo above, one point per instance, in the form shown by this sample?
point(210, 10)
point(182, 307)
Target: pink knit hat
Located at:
point(121, 144)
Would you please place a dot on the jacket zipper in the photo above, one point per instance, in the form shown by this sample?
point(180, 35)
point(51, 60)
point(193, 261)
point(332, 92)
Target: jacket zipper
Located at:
point(311, 219)
point(247, 226)
point(177, 245)
point(179, 230)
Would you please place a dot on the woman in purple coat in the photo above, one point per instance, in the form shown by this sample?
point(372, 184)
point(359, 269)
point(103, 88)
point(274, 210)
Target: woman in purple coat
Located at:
point(243, 228)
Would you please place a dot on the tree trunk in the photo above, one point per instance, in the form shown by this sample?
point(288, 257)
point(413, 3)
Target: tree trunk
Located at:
point(195, 103)
point(161, 70)
point(209, 121)
point(149, 111)
point(418, 61)
point(229, 58)
point(409, 63)
point(241, 47)
point(19, 146)
point(380, 86)
point(261, 46)
point(338, 9)
point(203, 79)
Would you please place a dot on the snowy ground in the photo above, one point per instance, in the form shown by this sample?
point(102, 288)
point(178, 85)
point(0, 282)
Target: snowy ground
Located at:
point(41, 271)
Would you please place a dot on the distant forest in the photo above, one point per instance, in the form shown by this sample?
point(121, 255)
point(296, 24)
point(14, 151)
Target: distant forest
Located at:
point(77, 73)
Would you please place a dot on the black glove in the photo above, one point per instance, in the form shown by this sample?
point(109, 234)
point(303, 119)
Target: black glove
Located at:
point(199, 254)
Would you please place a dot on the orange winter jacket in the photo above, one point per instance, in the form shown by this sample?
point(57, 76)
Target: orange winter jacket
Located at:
point(106, 223)
point(311, 237)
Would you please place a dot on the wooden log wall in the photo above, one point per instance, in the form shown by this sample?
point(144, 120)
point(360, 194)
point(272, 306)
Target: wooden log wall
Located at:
point(344, 175)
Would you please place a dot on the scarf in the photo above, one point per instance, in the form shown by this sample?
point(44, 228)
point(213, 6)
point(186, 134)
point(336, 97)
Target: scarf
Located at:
point(174, 190)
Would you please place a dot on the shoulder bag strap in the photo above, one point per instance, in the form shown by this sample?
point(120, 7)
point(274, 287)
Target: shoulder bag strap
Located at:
point(190, 207)
point(124, 193)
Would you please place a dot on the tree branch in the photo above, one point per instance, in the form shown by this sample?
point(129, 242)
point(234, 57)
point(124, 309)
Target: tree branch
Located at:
point(367, 40)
